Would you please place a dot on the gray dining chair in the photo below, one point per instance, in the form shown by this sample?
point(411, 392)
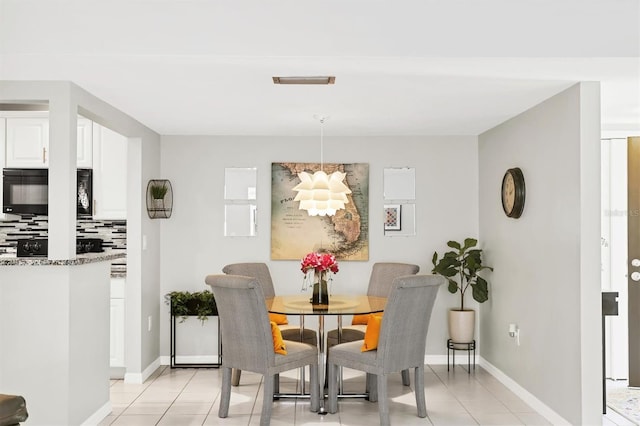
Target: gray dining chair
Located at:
point(243, 315)
point(380, 281)
point(260, 271)
point(13, 410)
point(401, 344)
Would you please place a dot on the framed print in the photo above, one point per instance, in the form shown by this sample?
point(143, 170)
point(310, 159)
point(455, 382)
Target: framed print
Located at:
point(294, 233)
point(392, 217)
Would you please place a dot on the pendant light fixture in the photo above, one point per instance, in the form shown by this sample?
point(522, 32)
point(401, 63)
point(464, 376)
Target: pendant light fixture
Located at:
point(322, 194)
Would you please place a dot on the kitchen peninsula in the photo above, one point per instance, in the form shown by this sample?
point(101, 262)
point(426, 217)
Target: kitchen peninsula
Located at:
point(54, 329)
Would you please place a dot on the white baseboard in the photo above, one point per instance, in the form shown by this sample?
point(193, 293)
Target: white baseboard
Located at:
point(190, 359)
point(117, 373)
point(540, 407)
point(139, 378)
point(99, 415)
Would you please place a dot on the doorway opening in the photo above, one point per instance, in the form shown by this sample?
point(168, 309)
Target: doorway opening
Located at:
point(613, 245)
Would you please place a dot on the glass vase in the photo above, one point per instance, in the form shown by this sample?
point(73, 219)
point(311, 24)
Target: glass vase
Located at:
point(320, 291)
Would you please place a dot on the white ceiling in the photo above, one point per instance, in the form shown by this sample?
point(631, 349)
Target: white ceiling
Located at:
point(412, 67)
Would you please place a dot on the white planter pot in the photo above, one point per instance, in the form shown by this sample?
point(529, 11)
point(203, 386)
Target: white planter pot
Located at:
point(462, 325)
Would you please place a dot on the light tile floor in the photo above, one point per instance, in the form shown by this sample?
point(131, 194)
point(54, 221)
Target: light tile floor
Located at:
point(191, 397)
point(612, 418)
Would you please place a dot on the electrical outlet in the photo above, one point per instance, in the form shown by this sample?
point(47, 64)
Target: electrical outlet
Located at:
point(514, 331)
point(150, 321)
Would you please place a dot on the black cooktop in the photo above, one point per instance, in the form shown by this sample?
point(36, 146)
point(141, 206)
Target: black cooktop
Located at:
point(39, 247)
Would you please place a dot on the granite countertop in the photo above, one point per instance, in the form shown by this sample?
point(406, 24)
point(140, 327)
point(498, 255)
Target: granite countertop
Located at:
point(81, 259)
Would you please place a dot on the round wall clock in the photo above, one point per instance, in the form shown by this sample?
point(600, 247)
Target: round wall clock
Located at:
point(513, 192)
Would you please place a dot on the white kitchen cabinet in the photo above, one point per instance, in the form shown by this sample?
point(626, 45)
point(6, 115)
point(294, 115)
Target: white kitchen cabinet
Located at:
point(3, 145)
point(85, 143)
point(27, 142)
point(109, 174)
point(116, 346)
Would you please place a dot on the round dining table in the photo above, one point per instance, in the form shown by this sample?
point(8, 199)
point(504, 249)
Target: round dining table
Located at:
point(342, 304)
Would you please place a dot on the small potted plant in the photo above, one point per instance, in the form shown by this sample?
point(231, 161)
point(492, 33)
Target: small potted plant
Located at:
point(183, 304)
point(157, 193)
point(460, 267)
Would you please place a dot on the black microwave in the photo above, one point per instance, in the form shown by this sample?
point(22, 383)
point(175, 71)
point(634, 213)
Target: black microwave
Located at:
point(26, 191)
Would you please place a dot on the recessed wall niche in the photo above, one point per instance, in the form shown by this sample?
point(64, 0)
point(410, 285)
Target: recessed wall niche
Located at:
point(240, 194)
point(399, 211)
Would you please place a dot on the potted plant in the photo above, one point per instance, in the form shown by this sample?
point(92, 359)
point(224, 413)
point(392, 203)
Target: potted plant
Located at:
point(460, 267)
point(157, 193)
point(183, 304)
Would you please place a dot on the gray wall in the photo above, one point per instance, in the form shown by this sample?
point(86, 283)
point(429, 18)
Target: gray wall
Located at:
point(546, 277)
point(142, 289)
point(193, 244)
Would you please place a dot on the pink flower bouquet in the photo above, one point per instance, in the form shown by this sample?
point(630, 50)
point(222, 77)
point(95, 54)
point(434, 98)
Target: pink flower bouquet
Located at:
point(317, 269)
point(319, 262)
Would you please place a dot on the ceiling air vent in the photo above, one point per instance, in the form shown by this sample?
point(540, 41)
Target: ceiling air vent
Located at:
point(305, 80)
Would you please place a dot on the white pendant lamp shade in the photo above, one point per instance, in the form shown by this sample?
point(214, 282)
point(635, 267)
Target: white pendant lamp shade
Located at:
point(321, 194)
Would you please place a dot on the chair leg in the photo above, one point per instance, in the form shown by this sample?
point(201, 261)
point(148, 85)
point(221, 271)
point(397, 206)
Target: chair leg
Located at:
point(406, 381)
point(235, 377)
point(225, 395)
point(367, 387)
point(420, 400)
point(383, 401)
point(276, 384)
point(315, 388)
point(373, 387)
point(332, 378)
point(267, 400)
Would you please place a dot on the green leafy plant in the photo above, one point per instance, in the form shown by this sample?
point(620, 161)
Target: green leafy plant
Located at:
point(463, 264)
point(158, 191)
point(183, 304)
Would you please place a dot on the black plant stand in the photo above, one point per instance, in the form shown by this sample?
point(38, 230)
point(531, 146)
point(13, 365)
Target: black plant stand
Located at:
point(174, 364)
point(466, 346)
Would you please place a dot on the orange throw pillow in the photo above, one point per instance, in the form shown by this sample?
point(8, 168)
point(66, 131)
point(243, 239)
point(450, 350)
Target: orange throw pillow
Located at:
point(362, 319)
point(372, 334)
point(278, 343)
point(280, 319)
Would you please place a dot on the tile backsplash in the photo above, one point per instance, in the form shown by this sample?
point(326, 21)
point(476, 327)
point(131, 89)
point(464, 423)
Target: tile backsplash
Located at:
point(112, 232)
